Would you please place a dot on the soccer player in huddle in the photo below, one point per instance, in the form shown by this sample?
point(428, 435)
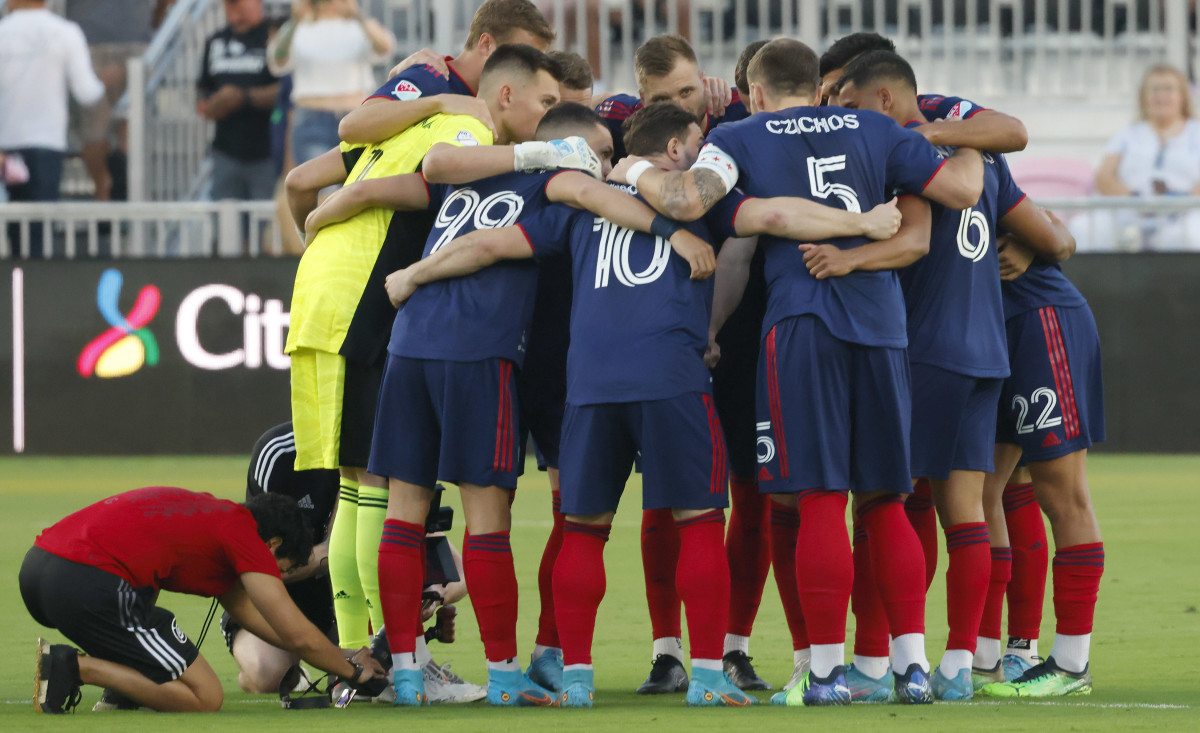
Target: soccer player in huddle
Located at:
point(958, 358)
point(672, 135)
point(840, 340)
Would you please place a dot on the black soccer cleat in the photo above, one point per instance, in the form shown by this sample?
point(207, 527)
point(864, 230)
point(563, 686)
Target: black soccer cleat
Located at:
point(380, 651)
point(113, 700)
point(666, 676)
point(56, 680)
point(741, 673)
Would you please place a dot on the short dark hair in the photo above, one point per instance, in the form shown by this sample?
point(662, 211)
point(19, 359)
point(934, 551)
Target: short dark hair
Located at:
point(518, 58)
point(575, 71)
point(501, 18)
point(659, 55)
point(875, 65)
point(739, 71)
point(279, 516)
point(565, 119)
point(785, 67)
point(648, 130)
point(844, 49)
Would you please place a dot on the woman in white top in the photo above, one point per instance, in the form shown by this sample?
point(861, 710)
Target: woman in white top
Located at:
point(1157, 156)
point(329, 49)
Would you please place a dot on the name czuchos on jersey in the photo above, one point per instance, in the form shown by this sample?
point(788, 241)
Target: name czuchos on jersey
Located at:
point(801, 125)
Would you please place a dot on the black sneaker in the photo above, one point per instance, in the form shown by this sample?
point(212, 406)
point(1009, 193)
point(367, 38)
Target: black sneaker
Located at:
point(666, 676)
point(56, 680)
point(113, 700)
point(380, 651)
point(741, 673)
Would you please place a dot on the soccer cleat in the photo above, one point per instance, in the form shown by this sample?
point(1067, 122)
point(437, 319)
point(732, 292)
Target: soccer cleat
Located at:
point(410, 687)
point(1043, 680)
point(954, 688)
point(443, 686)
point(813, 691)
point(578, 689)
point(380, 651)
point(666, 676)
point(547, 670)
point(741, 673)
point(56, 680)
point(798, 673)
point(1015, 665)
point(713, 688)
point(864, 688)
point(912, 687)
point(113, 700)
point(981, 677)
point(515, 689)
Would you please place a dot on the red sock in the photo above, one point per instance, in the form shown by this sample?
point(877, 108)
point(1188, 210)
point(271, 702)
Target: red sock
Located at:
point(897, 562)
point(547, 628)
point(785, 525)
point(703, 582)
point(993, 610)
point(921, 515)
point(870, 620)
point(660, 556)
point(968, 573)
point(579, 585)
point(749, 552)
point(824, 565)
point(401, 580)
point(488, 562)
point(1077, 571)
point(1030, 561)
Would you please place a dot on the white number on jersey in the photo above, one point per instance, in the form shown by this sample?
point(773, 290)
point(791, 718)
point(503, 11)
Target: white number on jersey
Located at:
point(614, 256)
point(823, 189)
point(1044, 420)
point(498, 210)
point(972, 219)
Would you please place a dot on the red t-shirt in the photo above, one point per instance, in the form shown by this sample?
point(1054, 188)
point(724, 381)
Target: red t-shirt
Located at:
point(174, 539)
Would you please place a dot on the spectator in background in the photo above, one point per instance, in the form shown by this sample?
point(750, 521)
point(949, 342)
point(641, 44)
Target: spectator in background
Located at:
point(1157, 156)
point(116, 30)
point(238, 92)
point(329, 48)
point(41, 57)
point(575, 82)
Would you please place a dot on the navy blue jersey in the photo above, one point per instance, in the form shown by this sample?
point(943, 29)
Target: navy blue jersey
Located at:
point(616, 109)
point(421, 81)
point(952, 294)
point(486, 314)
point(1042, 285)
point(639, 324)
point(937, 107)
point(853, 159)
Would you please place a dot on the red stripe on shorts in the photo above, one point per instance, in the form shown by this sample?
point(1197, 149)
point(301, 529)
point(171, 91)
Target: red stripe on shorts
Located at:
point(1058, 366)
point(775, 406)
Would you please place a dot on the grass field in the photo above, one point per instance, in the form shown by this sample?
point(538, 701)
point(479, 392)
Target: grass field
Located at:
point(1146, 653)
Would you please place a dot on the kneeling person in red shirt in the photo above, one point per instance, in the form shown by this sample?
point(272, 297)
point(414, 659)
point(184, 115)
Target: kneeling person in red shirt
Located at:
point(96, 574)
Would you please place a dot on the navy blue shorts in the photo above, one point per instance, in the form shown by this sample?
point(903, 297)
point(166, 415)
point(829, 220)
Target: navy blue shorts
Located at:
point(733, 392)
point(831, 414)
point(953, 422)
point(1053, 404)
point(541, 416)
point(681, 446)
point(448, 420)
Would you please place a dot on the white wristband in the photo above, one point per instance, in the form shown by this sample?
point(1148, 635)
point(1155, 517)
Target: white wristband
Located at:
point(636, 170)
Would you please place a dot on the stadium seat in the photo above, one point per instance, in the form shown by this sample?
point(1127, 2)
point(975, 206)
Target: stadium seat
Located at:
point(1053, 177)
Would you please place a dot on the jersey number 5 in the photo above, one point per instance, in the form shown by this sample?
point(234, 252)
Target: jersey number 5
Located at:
point(823, 189)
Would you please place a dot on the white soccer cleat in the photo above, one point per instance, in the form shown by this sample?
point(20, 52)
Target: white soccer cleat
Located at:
point(443, 686)
point(798, 674)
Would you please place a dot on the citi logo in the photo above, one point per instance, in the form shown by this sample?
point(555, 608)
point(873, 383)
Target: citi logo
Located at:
point(128, 343)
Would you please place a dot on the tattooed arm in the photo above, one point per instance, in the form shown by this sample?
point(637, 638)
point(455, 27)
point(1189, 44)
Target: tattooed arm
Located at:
point(681, 195)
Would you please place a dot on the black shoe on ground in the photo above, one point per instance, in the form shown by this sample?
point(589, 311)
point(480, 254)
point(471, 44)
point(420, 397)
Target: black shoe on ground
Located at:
point(112, 700)
point(56, 680)
point(741, 673)
point(666, 676)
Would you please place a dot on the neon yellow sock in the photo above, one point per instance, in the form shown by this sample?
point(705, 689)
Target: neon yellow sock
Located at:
point(349, 603)
point(372, 510)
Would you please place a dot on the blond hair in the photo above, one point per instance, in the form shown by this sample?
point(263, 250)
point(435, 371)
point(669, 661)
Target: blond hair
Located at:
point(1166, 70)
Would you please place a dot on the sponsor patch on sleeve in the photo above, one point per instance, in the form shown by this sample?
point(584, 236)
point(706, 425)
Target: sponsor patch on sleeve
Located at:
point(464, 137)
point(406, 91)
point(960, 111)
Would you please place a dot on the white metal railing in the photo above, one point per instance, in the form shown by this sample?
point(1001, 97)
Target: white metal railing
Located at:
point(139, 229)
point(250, 228)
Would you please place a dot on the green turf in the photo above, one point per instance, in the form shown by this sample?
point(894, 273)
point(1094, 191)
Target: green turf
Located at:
point(1145, 654)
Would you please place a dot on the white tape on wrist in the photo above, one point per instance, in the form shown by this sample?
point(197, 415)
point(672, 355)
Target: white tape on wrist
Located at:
point(636, 170)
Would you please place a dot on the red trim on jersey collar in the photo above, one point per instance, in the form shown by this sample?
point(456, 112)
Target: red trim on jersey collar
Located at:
point(452, 71)
point(913, 123)
point(934, 175)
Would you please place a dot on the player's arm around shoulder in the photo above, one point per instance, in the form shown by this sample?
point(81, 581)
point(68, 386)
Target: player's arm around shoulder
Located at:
point(987, 129)
point(405, 192)
point(1040, 230)
point(909, 244)
point(958, 184)
point(797, 218)
point(460, 257)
